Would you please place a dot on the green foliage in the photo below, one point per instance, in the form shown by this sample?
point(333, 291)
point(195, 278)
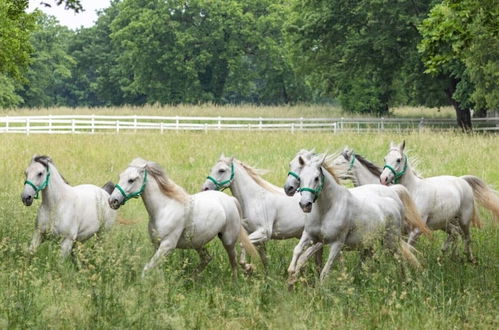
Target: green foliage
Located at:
point(8, 96)
point(460, 40)
point(15, 49)
point(51, 65)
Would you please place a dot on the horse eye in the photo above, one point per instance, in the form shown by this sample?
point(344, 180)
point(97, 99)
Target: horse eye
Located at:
point(221, 171)
point(316, 179)
point(398, 160)
point(130, 181)
point(40, 173)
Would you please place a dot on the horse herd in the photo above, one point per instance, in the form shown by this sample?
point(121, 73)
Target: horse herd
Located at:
point(387, 204)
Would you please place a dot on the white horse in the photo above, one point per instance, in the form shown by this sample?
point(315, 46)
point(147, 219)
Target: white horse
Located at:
point(268, 212)
point(347, 217)
point(180, 220)
point(444, 202)
point(350, 165)
point(73, 213)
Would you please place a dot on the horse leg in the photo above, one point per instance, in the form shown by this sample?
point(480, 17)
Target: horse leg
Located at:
point(465, 232)
point(164, 249)
point(452, 234)
point(35, 241)
point(413, 236)
point(66, 247)
point(305, 240)
point(257, 238)
point(318, 257)
point(204, 259)
point(335, 248)
point(231, 252)
point(316, 249)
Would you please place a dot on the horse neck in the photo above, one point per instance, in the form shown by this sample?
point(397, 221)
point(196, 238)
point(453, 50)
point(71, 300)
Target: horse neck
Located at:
point(331, 191)
point(409, 179)
point(155, 200)
point(56, 188)
point(243, 186)
point(363, 175)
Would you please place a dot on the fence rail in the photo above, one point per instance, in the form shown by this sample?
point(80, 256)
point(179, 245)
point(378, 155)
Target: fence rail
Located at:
point(88, 124)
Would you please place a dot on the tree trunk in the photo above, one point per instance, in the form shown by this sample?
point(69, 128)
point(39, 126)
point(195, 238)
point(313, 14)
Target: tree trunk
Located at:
point(463, 116)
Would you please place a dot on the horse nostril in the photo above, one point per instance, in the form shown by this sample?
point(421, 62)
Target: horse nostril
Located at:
point(205, 189)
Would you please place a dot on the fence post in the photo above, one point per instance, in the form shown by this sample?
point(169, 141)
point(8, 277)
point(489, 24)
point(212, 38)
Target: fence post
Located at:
point(260, 124)
point(7, 124)
point(176, 123)
point(50, 123)
point(301, 123)
point(117, 126)
point(382, 123)
point(27, 126)
point(161, 129)
point(341, 123)
point(93, 123)
point(219, 123)
point(135, 123)
point(205, 127)
point(72, 126)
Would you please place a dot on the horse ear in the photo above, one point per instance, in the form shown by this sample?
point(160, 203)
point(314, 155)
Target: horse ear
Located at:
point(402, 146)
point(301, 161)
point(323, 158)
point(34, 156)
point(392, 145)
point(222, 156)
point(231, 159)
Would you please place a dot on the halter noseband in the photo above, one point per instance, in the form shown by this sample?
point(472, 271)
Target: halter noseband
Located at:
point(39, 188)
point(221, 185)
point(316, 191)
point(397, 175)
point(134, 194)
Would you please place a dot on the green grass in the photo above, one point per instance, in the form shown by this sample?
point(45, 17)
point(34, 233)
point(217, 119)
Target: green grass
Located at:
point(103, 289)
point(232, 111)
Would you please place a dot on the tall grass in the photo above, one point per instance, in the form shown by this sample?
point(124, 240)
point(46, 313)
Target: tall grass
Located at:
point(230, 111)
point(101, 287)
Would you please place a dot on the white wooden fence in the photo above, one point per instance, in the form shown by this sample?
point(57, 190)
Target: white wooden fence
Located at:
point(88, 124)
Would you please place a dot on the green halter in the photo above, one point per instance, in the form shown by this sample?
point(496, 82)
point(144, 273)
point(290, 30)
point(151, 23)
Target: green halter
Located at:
point(317, 191)
point(297, 177)
point(42, 186)
point(397, 175)
point(221, 185)
point(134, 194)
point(352, 161)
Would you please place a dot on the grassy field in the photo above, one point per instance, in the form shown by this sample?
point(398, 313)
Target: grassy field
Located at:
point(103, 289)
point(232, 111)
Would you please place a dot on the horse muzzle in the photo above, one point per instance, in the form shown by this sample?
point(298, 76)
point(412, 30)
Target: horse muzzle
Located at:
point(306, 206)
point(27, 199)
point(114, 203)
point(289, 190)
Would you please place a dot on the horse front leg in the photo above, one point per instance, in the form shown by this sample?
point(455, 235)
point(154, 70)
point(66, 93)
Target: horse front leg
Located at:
point(335, 248)
point(36, 240)
point(293, 268)
point(66, 247)
point(204, 259)
point(257, 238)
point(164, 249)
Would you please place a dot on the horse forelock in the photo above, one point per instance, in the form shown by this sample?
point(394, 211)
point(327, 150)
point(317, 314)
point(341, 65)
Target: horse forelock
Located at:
point(167, 186)
point(46, 161)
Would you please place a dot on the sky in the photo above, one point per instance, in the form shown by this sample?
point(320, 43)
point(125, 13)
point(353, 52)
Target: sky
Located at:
point(86, 18)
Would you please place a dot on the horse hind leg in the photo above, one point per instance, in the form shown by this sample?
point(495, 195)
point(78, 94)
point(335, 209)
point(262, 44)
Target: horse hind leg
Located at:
point(231, 253)
point(452, 234)
point(204, 259)
point(465, 233)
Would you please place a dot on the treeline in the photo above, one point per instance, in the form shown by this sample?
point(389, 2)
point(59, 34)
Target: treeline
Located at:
point(369, 54)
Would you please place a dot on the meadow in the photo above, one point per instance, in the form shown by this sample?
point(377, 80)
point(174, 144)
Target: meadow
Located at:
point(101, 287)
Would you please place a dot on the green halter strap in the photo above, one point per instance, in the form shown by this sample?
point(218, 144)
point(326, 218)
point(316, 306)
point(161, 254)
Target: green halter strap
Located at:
point(134, 194)
point(352, 161)
point(221, 185)
point(317, 191)
point(296, 176)
point(39, 188)
point(397, 175)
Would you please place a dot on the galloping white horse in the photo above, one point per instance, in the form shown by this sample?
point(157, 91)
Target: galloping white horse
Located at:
point(73, 213)
point(444, 202)
point(350, 217)
point(268, 212)
point(180, 220)
point(350, 165)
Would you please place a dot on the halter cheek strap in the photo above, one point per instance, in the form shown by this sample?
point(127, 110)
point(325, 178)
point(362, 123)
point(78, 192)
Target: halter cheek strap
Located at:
point(39, 188)
point(397, 175)
point(134, 194)
point(352, 161)
point(221, 185)
point(316, 191)
point(293, 174)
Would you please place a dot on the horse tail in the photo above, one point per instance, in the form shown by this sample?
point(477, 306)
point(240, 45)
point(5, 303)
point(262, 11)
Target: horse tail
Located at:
point(108, 187)
point(407, 254)
point(243, 236)
point(411, 214)
point(484, 196)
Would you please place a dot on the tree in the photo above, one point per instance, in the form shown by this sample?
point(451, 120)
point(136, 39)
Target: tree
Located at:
point(50, 64)
point(460, 41)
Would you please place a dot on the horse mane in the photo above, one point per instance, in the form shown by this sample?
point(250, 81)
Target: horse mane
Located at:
point(45, 161)
point(329, 167)
point(374, 169)
point(255, 174)
point(167, 186)
point(413, 163)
